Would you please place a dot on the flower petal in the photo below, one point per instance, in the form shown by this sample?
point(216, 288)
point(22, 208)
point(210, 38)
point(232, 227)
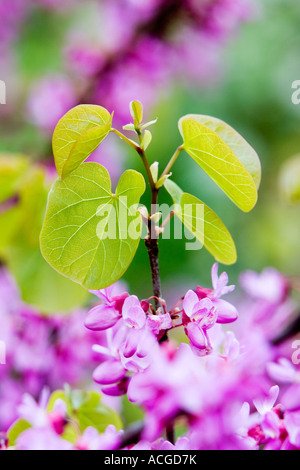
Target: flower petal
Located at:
point(109, 372)
point(226, 312)
point(189, 301)
point(133, 314)
point(101, 317)
point(196, 336)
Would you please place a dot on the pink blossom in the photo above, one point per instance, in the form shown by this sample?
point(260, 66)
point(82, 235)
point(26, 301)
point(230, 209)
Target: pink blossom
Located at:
point(92, 440)
point(106, 315)
point(49, 100)
point(41, 439)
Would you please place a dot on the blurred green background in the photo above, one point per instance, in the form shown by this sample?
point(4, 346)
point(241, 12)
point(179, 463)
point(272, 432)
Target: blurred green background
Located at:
point(253, 95)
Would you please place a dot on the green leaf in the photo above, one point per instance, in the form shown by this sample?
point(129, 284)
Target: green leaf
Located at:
point(219, 161)
point(131, 412)
point(154, 171)
point(242, 149)
point(12, 169)
point(60, 395)
point(78, 134)
point(40, 285)
point(146, 140)
point(9, 223)
point(33, 200)
point(81, 211)
point(87, 409)
point(211, 232)
point(136, 111)
point(289, 180)
point(94, 413)
point(16, 430)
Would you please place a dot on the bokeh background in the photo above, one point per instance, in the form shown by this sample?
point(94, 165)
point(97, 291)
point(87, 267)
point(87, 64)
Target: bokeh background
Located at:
point(235, 60)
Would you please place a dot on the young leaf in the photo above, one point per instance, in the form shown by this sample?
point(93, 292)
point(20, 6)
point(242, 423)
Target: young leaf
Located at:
point(89, 234)
point(154, 171)
point(219, 161)
point(146, 140)
point(77, 135)
point(211, 232)
point(136, 111)
point(245, 153)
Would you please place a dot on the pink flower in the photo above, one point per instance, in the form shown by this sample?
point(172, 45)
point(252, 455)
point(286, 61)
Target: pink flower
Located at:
point(292, 423)
point(270, 285)
point(204, 308)
point(106, 315)
point(33, 412)
point(54, 94)
point(201, 317)
point(41, 439)
point(226, 312)
point(132, 313)
point(159, 322)
point(92, 440)
point(37, 415)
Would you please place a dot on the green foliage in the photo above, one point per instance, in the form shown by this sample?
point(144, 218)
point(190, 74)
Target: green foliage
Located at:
point(219, 161)
point(136, 111)
point(11, 174)
point(289, 180)
point(21, 224)
point(245, 153)
point(15, 430)
point(86, 408)
point(85, 234)
point(211, 232)
point(78, 134)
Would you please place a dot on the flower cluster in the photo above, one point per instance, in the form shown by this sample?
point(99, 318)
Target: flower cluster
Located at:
point(133, 330)
point(234, 388)
point(40, 350)
point(46, 428)
point(221, 389)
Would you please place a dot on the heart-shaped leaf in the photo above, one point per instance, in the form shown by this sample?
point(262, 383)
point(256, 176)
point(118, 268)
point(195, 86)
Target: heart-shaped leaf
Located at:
point(78, 134)
point(219, 161)
point(242, 149)
point(205, 225)
point(19, 248)
point(89, 234)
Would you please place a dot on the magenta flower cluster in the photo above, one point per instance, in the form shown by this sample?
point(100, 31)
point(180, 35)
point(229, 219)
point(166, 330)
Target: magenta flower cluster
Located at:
point(226, 387)
point(40, 351)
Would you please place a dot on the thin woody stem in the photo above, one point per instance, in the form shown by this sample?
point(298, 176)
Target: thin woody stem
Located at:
point(151, 241)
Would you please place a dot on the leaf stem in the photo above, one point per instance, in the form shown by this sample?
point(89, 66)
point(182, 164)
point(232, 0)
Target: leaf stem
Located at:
point(129, 141)
point(171, 162)
point(151, 241)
